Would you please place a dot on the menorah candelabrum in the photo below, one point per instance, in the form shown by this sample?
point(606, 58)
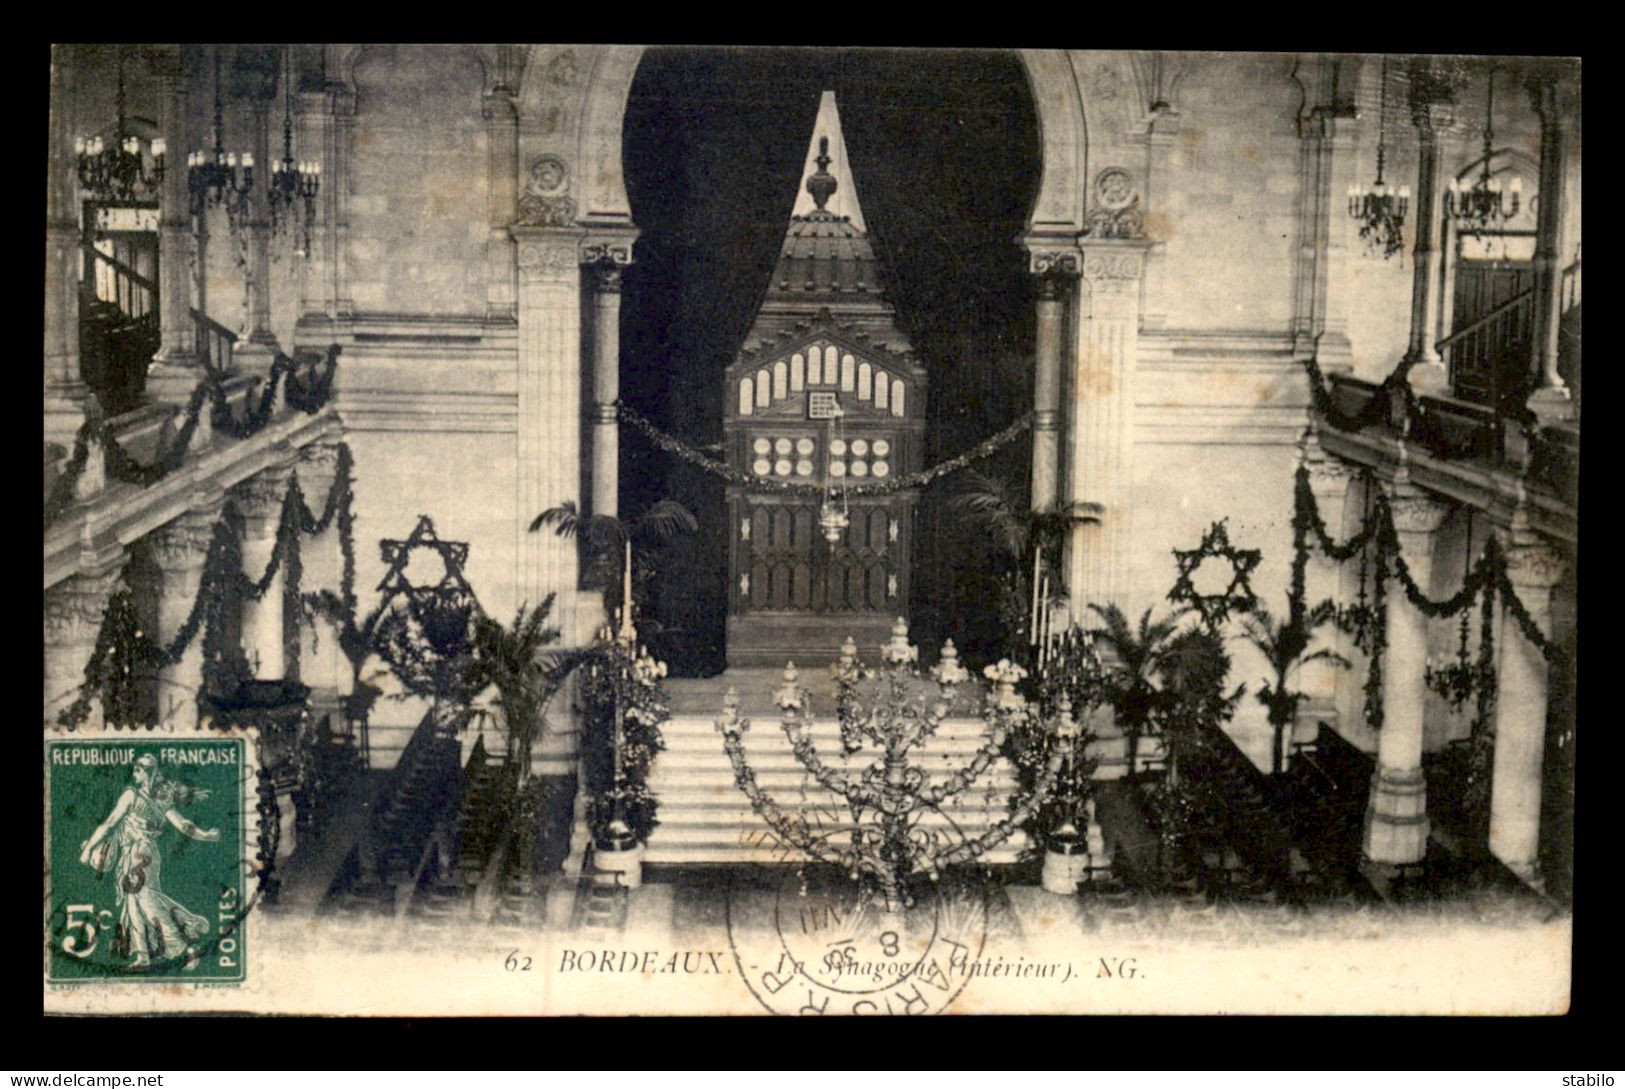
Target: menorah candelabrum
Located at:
point(887, 842)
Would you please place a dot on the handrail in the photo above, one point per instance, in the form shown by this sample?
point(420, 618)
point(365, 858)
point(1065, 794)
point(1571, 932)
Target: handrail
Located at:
point(1570, 289)
point(120, 267)
point(1480, 322)
point(215, 341)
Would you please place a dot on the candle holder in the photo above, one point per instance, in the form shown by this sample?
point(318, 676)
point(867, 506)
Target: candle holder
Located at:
point(887, 843)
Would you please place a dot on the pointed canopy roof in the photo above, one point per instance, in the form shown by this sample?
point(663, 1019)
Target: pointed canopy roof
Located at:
point(827, 261)
point(827, 141)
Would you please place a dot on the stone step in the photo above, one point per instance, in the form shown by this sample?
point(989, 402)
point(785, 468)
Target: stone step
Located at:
point(768, 852)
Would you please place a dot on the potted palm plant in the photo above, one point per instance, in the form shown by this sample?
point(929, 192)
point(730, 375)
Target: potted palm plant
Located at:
point(514, 659)
point(1139, 651)
point(1026, 540)
point(604, 538)
point(1285, 646)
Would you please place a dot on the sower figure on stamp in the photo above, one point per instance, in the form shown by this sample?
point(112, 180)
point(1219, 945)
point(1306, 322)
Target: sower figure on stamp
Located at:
point(151, 924)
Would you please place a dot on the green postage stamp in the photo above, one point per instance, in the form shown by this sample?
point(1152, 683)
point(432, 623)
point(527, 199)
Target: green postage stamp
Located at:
point(149, 876)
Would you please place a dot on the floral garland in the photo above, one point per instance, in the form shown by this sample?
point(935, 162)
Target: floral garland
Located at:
point(618, 683)
point(924, 478)
point(122, 650)
point(1486, 580)
point(309, 397)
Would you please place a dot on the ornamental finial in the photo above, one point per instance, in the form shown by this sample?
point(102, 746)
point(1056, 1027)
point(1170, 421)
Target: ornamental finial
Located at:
point(822, 184)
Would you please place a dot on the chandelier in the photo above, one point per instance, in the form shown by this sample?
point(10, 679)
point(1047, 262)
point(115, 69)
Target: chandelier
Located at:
point(293, 185)
point(833, 516)
point(1381, 209)
point(213, 178)
point(117, 171)
point(1486, 205)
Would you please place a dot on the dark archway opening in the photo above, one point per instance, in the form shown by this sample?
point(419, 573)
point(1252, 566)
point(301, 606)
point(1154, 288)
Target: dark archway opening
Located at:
point(945, 153)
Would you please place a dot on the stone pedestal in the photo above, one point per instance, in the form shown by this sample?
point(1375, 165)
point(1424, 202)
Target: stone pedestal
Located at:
point(1520, 709)
point(1396, 824)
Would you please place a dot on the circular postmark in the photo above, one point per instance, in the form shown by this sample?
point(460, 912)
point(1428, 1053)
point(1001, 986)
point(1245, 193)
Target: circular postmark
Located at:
point(815, 941)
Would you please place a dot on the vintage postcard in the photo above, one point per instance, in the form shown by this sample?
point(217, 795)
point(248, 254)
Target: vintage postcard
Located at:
point(562, 529)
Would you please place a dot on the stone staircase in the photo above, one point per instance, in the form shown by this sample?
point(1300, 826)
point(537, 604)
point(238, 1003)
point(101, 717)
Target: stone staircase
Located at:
point(705, 819)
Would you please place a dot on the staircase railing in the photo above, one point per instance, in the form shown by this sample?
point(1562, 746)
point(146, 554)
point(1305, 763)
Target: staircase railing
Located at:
point(1474, 349)
point(109, 280)
point(215, 342)
point(1570, 292)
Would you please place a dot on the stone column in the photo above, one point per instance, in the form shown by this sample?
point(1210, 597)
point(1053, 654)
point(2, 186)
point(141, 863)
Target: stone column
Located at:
point(336, 182)
point(502, 196)
point(549, 414)
point(177, 367)
point(315, 122)
point(606, 385)
point(73, 618)
point(1329, 481)
point(182, 549)
point(1320, 326)
point(1533, 568)
point(256, 351)
point(1431, 111)
point(65, 393)
point(322, 665)
point(1054, 288)
point(260, 500)
point(1396, 823)
point(1099, 426)
point(1553, 97)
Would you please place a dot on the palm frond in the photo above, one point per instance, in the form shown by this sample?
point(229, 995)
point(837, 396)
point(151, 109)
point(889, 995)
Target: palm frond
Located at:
point(564, 518)
point(666, 519)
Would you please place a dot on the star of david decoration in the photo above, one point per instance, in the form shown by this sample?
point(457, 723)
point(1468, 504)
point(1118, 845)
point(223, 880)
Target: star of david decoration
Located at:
point(398, 554)
point(1237, 597)
point(425, 631)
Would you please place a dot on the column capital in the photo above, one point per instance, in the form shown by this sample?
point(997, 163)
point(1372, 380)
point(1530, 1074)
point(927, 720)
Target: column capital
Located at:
point(1052, 255)
point(182, 545)
point(1415, 512)
point(1114, 266)
point(261, 496)
point(75, 606)
point(547, 252)
point(1328, 476)
point(1532, 562)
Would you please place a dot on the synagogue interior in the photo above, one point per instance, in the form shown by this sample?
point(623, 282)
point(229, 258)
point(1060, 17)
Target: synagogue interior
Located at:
point(1145, 478)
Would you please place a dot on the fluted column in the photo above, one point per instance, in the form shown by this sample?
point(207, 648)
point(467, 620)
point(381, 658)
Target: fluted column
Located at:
point(549, 424)
point(1553, 98)
point(1054, 287)
point(1329, 481)
point(1431, 111)
point(65, 393)
point(1396, 823)
point(1533, 568)
point(260, 500)
point(1099, 423)
point(176, 366)
point(182, 549)
point(73, 618)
